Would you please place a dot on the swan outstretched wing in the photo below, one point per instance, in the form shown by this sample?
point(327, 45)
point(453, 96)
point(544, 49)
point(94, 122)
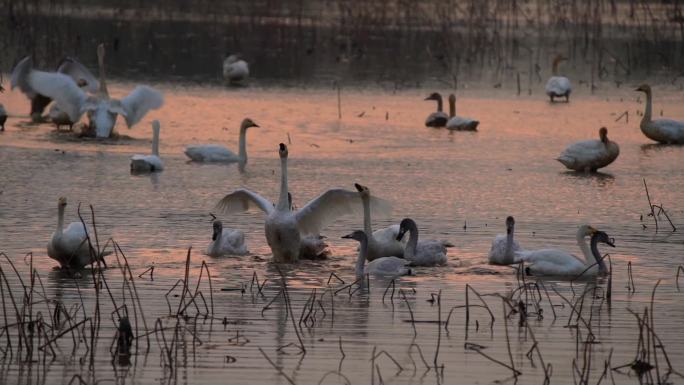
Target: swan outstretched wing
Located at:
point(62, 88)
point(19, 76)
point(139, 102)
point(77, 71)
point(334, 203)
point(242, 200)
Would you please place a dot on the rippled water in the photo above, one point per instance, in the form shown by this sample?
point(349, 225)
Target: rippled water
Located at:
point(457, 186)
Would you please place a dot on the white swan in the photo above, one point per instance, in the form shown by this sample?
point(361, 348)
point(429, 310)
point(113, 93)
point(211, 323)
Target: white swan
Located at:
point(70, 67)
point(102, 110)
point(312, 246)
point(556, 262)
point(590, 155)
point(217, 153)
point(385, 266)
point(459, 123)
point(226, 242)
point(422, 253)
point(558, 86)
point(384, 242)
point(149, 163)
point(284, 228)
point(504, 246)
point(3, 117)
point(666, 131)
point(235, 70)
point(70, 246)
point(438, 118)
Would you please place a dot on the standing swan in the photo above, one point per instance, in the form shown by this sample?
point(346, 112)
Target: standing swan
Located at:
point(423, 253)
point(149, 163)
point(217, 153)
point(556, 262)
point(384, 242)
point(459, 123)
point(590, 155)
point(285, 228)
point(385, 266)
point(102, 110)
point(226, 241)
point(558, 86)
point(666, 131)
point(70, 246)
point(235, 70)
point(438, 118)
point(504, 246)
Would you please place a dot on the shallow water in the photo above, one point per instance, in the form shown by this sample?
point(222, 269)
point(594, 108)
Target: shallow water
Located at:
point(457, 186)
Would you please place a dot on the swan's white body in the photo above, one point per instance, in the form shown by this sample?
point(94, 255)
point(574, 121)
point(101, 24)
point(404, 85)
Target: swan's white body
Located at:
point(666, 131)
point(285, 228)
point(555, 262)
point(558, 86)
point(227, 242)
point(459, 123)
point(69, 246)
point(504, 246)
point(235, 69)
point(423, 253)
point(590, 155)
point(101, 109)
point(149, 163)
point(383, 242)
point(215, 153)
point(438, 118)
point(385, 266)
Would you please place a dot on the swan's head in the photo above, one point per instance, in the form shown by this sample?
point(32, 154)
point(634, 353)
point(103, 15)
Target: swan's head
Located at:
point(510, 224)
point(405, 225)
point(218, 228)
point(559, 58)
point(587, 230)
point(363, 190)
point(283, 151)
point(62, 202)
point(247, 123)
point(644, 88)
point(603, 134)
point(357, 235)
point(434, 96)
point(601, 236)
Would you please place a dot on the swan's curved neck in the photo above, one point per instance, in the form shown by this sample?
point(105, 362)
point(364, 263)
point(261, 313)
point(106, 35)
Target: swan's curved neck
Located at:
point(283, 201)
point(508, 253)
point(60, 219)
point(648, 108)
point(412, 243)
point(452, 107)
point(361, 260)
point(103, 83)
point(554, 68)
point(155, 140)
point(242, 154)
point(582, 243)
point(365, 198)
point(597, 256)
point(439, 104)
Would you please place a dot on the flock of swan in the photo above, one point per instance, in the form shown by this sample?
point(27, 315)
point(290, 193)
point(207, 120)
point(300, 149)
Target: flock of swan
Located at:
point(294, 234)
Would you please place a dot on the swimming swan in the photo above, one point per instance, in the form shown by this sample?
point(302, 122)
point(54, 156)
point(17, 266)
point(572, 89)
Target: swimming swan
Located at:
point(590, 155)
point(384, 242)
point(666, 131)
point(422, 253)
point(101, 109)
point(70, 246)
point(438, 118)
point(226, 242)
point(217, 153)
point(558, 86)
point(459, 123)
point(284, 227)
point(149, 163)
point(504, 246)
point(385, 266)
point(556, 262)
point(235, 70)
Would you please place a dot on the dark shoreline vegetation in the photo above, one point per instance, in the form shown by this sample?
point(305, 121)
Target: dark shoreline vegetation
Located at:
point(497, 43)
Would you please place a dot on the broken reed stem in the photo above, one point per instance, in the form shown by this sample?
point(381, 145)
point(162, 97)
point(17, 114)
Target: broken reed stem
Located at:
point(650, 205)
point(508, 341)
point(680, 269)
point(413, 320)
point(276, 367)
point(185, 281)
point(288, 303)
point(478, 349)
point(439, 327)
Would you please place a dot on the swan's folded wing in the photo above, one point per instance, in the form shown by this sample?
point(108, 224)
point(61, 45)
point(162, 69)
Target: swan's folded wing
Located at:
point(140, 102)
point(332, 204)
point(77, 71)
point(672, 128)
point(66, 93)
point(242, 200)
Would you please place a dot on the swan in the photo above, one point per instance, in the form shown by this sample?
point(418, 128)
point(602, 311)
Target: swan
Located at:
point(226, 241)
point(423, 253)
point(101, 109)
point(558, 86)
point(284, 228)
point(438, 118)
point(70, 246)
point(385, 266)
point(235, 70)
point(459, 123)
point(666, 131)
point(312, 246)
point(384, 242)
point(69, 67)
point(149, 163)
point(504, 246)
point(217, 153)
point(3, 117)
point(556, 262)
point(590, 155)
